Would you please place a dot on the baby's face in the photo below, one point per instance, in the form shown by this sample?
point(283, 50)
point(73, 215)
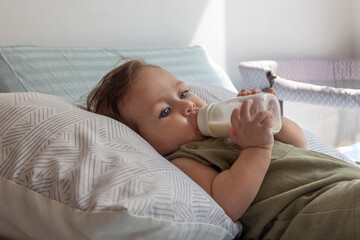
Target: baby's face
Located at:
point(163, 109)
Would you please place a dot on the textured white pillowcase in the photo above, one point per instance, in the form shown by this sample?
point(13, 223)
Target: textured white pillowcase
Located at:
point(67, 173)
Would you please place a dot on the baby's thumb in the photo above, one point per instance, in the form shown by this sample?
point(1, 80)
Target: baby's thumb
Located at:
point(232, 135)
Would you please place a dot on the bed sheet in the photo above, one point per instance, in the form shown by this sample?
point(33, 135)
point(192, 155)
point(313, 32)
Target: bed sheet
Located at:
point(352, 151)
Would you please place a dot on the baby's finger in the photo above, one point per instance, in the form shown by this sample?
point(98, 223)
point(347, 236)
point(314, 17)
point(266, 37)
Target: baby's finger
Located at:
point(244, 92)
point(235, 119)
point(262, 118)
point(232, 134)
point(255, 91)
point(245, 111)
point(267, 123)
point(272, 91)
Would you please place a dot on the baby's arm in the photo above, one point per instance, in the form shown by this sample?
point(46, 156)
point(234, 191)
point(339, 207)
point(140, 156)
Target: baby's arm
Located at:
point(235, 189)
point(290, 132)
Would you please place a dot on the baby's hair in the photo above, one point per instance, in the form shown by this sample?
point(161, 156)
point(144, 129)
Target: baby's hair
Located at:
point(114, 87)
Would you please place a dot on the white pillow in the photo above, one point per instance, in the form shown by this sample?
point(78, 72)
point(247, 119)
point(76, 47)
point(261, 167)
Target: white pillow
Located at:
point(66, 173)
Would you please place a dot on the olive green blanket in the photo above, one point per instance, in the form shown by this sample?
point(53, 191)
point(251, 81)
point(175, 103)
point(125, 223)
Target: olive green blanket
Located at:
point(305, 194)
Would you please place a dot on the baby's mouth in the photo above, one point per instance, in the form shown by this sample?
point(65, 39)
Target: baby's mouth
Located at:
point(195, 113)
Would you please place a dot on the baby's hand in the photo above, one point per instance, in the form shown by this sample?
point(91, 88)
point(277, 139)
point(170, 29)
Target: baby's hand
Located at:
point(248, 132)
point(245, 92)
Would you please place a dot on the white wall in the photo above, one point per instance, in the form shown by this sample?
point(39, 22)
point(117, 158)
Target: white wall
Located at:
point(356, 27)
point(231, 30)
point(280, 29)
point(100, 23)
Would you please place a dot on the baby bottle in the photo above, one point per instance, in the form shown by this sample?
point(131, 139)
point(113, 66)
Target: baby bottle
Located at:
point(214, 119)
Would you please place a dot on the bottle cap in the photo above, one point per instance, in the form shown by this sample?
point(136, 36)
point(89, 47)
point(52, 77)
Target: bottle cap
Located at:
point(202, 120)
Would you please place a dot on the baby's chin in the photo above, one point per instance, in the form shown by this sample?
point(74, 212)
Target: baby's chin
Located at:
point(199, 137)
point(203, 137)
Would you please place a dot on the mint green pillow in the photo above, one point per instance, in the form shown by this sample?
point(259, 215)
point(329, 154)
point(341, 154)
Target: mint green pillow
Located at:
point(72, 72)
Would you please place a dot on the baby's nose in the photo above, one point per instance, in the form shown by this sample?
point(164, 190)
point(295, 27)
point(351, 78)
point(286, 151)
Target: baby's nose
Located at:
point(189, 107)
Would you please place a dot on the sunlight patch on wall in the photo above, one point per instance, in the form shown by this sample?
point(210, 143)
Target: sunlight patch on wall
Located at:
point(210, 31)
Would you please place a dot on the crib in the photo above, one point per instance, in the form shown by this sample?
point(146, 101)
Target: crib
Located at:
point(321, 95)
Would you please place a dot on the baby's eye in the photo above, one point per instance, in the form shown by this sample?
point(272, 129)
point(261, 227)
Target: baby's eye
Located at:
point(184, 94)
point(164, 112)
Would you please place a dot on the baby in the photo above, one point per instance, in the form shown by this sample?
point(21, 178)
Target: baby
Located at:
point(268, 182)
